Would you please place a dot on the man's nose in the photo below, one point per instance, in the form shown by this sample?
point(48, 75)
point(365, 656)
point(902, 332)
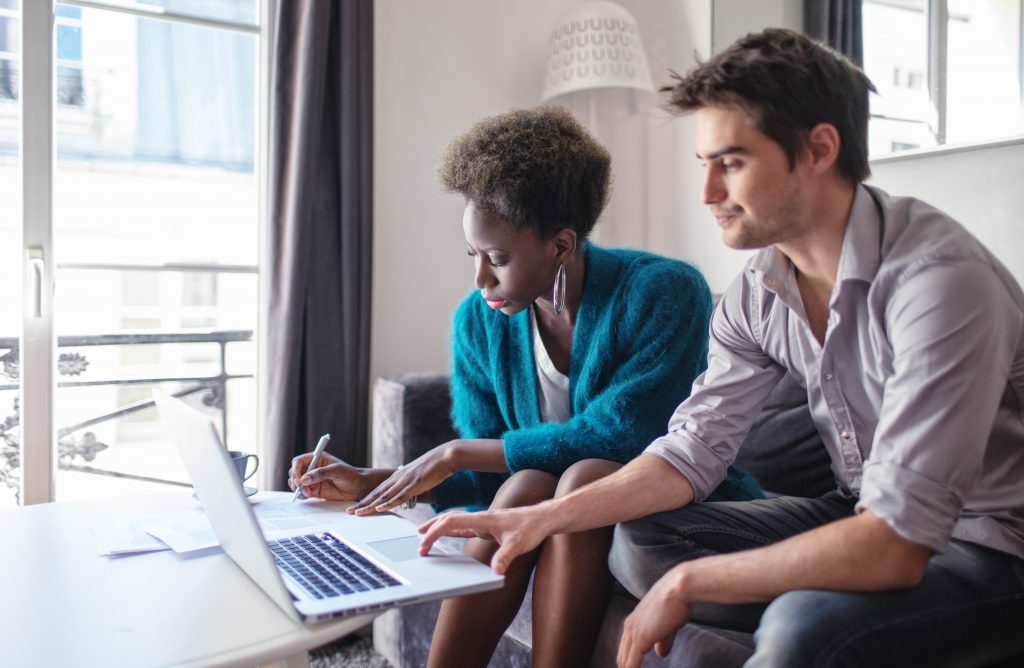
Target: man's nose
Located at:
point(713, 190)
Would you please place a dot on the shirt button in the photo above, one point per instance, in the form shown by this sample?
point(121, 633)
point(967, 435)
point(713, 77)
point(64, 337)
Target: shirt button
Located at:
point(845, 435)
point(828, 376)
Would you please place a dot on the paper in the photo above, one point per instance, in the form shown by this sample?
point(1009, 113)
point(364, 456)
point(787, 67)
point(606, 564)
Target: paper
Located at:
point(121, 537)
point(191, 532)
point(185, 533)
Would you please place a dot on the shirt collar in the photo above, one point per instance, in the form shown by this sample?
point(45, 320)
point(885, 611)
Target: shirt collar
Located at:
point(858, 260)
point(862, 243)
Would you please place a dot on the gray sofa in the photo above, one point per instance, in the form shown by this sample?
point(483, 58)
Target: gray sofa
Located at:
point(411, 415)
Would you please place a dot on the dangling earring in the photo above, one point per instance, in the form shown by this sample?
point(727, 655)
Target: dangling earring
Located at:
point(558, 294)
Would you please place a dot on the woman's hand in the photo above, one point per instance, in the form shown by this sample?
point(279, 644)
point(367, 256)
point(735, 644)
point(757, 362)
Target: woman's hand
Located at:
point(333, 480)
point(414, 479)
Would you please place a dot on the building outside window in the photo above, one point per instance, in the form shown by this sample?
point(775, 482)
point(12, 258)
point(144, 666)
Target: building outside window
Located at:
point(947, 71)
point(155, 227)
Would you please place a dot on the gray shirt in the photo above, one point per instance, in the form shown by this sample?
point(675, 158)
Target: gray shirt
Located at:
point(918, 390)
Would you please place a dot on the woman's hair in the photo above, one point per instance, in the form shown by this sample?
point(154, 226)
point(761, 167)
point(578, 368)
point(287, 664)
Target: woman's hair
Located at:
point(536, 168)
point(788, 83)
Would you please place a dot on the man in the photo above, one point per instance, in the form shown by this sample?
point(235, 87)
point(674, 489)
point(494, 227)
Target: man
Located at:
point(909, 337)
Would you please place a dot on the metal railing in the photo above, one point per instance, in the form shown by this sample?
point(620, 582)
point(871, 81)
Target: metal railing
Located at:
point(74, 444)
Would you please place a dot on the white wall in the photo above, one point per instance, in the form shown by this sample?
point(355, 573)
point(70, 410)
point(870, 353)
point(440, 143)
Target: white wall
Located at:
point(442, 65)
point(979, 187)
point(439, 67)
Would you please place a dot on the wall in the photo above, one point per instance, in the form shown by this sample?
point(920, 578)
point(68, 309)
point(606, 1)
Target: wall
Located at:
point(442, 65)
point(980, 187)
point(439, 67)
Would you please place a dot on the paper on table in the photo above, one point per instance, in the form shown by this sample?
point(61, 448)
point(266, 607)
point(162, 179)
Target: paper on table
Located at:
point(120, 537)
point(189, 533)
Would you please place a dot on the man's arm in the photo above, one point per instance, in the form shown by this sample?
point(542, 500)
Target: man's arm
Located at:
point(645, 486)
point(861, 553)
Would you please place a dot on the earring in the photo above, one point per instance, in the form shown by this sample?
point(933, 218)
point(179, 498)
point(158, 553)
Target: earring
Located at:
point(558, 294)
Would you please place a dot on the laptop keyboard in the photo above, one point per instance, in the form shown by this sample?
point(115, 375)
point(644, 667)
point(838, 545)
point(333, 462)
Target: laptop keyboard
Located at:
point(327, 566)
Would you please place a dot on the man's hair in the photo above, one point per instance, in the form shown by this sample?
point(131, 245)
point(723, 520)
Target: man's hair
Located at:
point(788, 84)
point(536, 168)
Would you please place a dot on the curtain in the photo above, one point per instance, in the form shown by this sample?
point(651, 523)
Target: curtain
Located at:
point(320, 239)
point(838, 24)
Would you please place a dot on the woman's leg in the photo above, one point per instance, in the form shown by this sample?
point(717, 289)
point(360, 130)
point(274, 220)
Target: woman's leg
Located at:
point(572, 585)
point(469, 627)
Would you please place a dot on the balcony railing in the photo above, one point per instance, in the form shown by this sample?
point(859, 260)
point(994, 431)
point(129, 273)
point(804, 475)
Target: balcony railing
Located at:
point(77, 448)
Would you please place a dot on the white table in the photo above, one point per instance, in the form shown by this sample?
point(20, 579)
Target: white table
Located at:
point(63, 605)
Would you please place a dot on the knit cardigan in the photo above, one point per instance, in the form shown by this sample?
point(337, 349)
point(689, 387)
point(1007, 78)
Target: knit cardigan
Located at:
point(641, 338)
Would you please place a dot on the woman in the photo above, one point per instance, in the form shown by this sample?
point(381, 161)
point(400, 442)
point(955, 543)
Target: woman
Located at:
point(567, 362)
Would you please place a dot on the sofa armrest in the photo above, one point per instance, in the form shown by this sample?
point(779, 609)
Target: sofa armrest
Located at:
point(411, 415)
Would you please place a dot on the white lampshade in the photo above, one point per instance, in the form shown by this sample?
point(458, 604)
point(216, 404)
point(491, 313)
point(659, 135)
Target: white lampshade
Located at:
point(598, 46)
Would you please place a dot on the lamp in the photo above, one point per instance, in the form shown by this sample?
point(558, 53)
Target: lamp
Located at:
point(596, 64)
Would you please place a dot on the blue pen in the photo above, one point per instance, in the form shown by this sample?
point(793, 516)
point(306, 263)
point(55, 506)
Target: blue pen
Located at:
point(317, 451)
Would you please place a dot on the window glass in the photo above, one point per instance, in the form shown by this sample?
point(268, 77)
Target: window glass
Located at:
point(980, 97)
point(895, 59)
point(155, 172)
point(10, 255)
point(983, 98)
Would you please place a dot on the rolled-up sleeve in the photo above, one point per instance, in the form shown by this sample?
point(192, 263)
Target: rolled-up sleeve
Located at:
point(953, 327)
point(706, 430)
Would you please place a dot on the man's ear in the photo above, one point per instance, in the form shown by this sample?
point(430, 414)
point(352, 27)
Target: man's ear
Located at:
point(821, 147)
point(565, 243)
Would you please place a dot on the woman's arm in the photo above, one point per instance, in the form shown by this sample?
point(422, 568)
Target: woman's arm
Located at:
point(419, 477)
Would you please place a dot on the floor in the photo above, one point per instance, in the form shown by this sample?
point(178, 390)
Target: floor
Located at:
point(355, 651)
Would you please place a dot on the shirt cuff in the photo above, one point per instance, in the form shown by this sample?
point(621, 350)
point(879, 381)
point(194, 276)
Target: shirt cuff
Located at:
point(703, 469)
point(917, 508)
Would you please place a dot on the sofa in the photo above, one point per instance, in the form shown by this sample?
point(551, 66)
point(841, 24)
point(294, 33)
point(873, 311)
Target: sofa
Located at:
point(783, 451)
point(411, 415)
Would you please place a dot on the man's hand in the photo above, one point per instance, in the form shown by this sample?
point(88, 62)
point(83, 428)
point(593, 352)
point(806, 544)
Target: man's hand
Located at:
point(654, 621)
point(517, 531)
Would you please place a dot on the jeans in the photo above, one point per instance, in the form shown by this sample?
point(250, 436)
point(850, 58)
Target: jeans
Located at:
point(968, 609)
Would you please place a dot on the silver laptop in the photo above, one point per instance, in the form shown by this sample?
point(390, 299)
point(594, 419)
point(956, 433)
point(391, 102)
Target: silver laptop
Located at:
point(358, 565)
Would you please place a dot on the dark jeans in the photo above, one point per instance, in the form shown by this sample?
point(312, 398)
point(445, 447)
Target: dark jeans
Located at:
point(967, 611)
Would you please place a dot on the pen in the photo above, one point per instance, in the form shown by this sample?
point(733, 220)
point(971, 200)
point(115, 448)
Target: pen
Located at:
point(321, 444)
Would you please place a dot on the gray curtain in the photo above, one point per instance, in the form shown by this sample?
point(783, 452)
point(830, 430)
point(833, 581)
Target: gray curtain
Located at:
point(318, 324)
point(838, 23)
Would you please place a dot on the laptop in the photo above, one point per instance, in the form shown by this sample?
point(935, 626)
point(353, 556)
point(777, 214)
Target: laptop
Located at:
point(357, 565)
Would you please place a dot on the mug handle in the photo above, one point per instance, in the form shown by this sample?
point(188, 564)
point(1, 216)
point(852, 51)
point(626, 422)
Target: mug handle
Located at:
point(253, 472)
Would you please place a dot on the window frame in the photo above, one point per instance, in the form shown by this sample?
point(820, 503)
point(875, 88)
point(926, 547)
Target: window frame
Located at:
point(37, 101)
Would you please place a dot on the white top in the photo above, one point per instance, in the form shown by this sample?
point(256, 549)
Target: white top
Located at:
point(552, 384)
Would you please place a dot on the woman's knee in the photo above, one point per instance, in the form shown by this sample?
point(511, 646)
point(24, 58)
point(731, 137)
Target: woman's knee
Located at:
point(525, 488)
point(583, 473)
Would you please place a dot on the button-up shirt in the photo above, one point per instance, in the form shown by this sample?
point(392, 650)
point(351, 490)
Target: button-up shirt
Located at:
point(917, 391)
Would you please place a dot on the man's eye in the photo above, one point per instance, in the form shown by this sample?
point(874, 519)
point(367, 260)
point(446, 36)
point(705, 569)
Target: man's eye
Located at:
point(730, 165)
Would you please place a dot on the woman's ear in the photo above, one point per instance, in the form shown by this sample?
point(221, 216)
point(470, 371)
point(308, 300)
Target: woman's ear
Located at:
point(565, 244)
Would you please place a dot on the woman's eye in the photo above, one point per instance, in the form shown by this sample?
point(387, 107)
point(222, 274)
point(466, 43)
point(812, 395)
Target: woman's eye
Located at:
point(470, 253)
point(496, 263)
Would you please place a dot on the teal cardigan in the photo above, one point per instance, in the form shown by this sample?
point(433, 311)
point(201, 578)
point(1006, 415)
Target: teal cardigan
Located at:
point(641, 339)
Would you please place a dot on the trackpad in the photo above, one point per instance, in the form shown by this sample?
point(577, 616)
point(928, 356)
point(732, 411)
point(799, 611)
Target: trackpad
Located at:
point(398, 549)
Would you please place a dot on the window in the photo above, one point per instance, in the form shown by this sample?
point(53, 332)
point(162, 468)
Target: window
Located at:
point(947, 71)
point(154, 229)
point(9, 46)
